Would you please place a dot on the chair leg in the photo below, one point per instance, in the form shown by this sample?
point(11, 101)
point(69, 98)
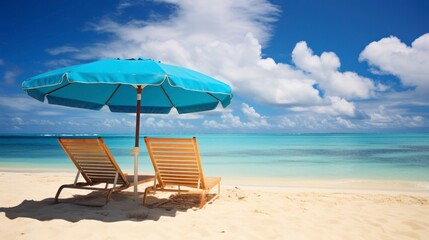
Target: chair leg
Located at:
point(218, 188)
point(58, 193)
point(203, 199)
point(216, 196)
point(146, 191)
point(109, 195)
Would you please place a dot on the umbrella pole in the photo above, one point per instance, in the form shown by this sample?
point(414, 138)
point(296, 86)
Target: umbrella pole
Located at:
point(136, 145)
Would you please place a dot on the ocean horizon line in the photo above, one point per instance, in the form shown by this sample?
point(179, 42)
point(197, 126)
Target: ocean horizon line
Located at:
point(191, 134)
point(333, 155)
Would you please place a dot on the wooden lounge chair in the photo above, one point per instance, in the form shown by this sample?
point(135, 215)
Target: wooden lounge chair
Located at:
point(177, 164)
point(96, 164)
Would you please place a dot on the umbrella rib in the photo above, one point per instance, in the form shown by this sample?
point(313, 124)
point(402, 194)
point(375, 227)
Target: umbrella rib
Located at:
point(213, 96)
point(111, 96)
point(46, 94)
point(165, 93)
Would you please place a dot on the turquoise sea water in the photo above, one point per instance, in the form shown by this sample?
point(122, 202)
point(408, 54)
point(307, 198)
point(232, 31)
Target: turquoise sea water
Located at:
point(328, 156)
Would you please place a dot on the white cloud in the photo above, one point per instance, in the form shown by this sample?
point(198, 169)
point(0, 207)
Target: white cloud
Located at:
point(25, 104)
point(344, 122)
point(185, 125)
point(316, 122)
point(34, 122)
point(231, 120)
point(114, 123)
point(59, 63)
point(19, 103)
point(409, 63)
point(333, 106)
point(61, 50)
point(157, 123)
point(49, 113)
point(304, 122)
point(225, 40)
point(154, 123)
point(212, 124)
point(384, 118)
point(124, 4)
point(1, 62)
point(9, 77)
point(77, 123)
point(163, 121)
point(286, 122)
point(249, 111)
point(324, 69)
point(338, 106)
point(253, 120)
point(174, 115)
point(18, 121)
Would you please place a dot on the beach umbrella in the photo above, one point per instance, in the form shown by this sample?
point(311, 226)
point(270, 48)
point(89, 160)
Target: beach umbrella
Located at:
point(130, 86)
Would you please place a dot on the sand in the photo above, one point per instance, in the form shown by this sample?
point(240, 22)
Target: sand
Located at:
point(247, 209)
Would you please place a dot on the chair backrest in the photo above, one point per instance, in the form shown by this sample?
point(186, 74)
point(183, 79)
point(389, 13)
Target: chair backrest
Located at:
point(93, 159)
point(176, 161)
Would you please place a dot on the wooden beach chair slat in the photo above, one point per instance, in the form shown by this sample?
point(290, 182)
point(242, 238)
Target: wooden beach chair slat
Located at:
point(177, 163)
point(173, 149)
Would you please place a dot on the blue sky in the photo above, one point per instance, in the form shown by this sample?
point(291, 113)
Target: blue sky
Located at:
point(295, 66)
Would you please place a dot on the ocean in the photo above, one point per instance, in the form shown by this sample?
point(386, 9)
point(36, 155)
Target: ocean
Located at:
point(378, 156)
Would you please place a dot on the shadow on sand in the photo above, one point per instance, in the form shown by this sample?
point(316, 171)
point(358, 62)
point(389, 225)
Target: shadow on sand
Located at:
point(122, 207)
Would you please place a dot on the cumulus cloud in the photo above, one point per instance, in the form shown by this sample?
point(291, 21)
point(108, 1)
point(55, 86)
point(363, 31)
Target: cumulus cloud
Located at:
point(18, 121)
point(212, 124)
point(321, 123)
point(409, 63)
point(379, 118)
point(253, 120)
point(113, 122)
point(185, 125)
point(286, 122)
point(175, 115)
point(338, 106)
point(383, 118)
point(312, 122)
point(223, 40)
point(249, 111)
point(333, 106)
point(345, 123)
point(152, 122)
point(325, 70)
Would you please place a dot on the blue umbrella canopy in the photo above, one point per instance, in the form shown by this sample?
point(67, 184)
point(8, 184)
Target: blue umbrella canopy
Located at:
point(130, 86)
point(113, 83)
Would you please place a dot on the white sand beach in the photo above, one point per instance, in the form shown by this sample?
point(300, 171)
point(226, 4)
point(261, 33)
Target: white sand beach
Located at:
point(247, 209)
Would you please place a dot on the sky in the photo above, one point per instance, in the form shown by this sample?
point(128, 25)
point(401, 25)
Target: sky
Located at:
point(296, 66)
